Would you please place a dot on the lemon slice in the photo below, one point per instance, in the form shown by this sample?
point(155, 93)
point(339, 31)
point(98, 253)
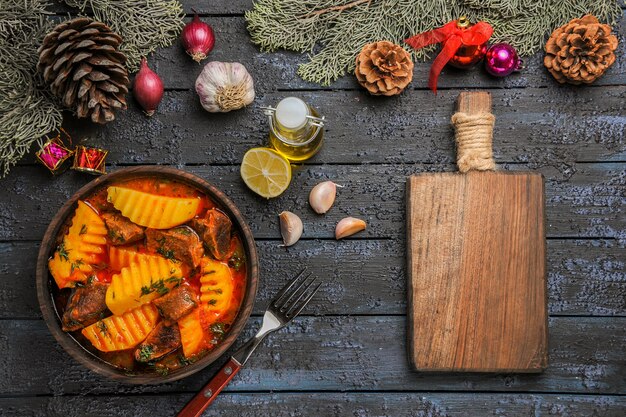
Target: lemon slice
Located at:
point(266, 172)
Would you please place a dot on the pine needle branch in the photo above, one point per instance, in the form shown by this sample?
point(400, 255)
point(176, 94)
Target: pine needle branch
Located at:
point(27, 110)
point(145, 25)
point(335, 8)
point(333, 31)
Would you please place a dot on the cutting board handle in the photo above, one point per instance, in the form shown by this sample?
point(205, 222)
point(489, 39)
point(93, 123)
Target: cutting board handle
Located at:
point(473, 131)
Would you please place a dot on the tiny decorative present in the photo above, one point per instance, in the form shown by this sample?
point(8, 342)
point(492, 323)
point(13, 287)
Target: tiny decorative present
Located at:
point(90, 160)
point(54, 153)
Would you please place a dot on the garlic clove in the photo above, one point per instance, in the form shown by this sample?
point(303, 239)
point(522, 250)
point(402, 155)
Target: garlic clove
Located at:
point(349, 226)
point(322, 196)
point(290, 227)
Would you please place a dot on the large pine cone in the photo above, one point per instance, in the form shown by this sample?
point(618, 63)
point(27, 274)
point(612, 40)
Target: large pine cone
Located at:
point(384, 68)
point(580, 51)
point(80, 62)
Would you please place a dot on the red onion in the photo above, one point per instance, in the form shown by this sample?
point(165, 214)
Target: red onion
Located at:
point(148, 89)
point(197, 38)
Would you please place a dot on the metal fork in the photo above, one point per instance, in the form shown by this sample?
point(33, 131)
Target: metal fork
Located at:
point(289, 302)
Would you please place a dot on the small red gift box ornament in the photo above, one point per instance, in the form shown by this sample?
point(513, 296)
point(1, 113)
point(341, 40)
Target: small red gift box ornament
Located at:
point(463, 45)
point(54, 153)
point(90, 160)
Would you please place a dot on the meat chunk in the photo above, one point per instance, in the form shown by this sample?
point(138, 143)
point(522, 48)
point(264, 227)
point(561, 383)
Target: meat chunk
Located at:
point(177, 303)
point(161, 341)
point(180, 243)
point(121, 230)
point(214, 229)
point(85, 306)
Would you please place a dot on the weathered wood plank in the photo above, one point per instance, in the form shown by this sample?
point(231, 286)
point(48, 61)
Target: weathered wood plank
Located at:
point(585, 200)
point(323, 404)
point(555, 126)
point(585, 277)
point(332, 353)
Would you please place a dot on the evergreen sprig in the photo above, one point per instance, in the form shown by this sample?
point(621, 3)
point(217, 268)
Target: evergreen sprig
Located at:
point(145, 25)
point(27, 110)
point(334, 31)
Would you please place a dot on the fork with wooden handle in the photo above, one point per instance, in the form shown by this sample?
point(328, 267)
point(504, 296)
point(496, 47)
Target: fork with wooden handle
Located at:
point(282, 309)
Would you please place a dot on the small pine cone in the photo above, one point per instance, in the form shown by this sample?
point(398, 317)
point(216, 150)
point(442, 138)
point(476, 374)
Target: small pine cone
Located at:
point(81, 63)
point(580, 51)
point(384, 68)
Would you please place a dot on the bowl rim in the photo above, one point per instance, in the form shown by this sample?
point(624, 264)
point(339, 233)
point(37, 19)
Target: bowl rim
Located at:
point(43, 280)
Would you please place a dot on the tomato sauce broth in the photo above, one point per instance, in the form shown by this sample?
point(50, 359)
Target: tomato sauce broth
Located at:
point(103, 272)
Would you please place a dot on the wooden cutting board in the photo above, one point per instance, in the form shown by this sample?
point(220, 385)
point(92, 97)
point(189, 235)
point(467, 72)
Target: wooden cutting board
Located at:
point(476, 268)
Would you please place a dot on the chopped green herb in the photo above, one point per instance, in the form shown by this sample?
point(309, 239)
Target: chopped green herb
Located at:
point(76, 265)
point(176, 280)
point(161, 370)
point(63, 252)
point(218, 330)
point(162, 289)
point(114, 236)
point(74, 323)
point(218, 291)
point(159, 286)
point(91, 279)
point(166, 253)
point(185, 361)
point(236, 261)
point(212, 301)
point(145, 353)
point(83, 229)
point(208, 273)
point(103, 328)
point(183, 231)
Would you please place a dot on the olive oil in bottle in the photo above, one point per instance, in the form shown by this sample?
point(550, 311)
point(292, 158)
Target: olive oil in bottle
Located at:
point(296, 129)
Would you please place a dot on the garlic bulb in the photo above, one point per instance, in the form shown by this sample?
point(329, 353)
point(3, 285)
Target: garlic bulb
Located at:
point(290, 227)
point(224, 86)
point(348, 226)
point(322, 196)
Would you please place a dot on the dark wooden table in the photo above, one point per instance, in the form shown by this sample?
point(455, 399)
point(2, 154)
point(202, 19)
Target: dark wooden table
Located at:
point(346, 355)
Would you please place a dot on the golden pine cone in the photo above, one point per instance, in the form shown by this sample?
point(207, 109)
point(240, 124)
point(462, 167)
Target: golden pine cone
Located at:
point(384, 68)
point(80, 61)
point(580, 51)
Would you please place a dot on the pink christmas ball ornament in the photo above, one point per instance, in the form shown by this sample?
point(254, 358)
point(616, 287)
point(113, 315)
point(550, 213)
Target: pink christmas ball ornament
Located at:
point(501, 60)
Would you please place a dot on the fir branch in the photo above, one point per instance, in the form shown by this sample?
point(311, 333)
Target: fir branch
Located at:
point(335, 37)
point(145, 25)
point(335, 8)
point(27, 110)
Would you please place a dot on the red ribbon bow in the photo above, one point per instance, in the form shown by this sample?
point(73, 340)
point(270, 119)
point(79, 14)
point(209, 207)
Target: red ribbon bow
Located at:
point(452, 37)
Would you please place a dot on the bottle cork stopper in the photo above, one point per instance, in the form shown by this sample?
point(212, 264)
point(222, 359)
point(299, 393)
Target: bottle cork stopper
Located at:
point(291, 113)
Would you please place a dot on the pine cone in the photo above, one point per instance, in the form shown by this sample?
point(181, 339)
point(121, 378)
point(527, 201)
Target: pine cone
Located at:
point(80, 62)
point(580, 51)
point(384, 68)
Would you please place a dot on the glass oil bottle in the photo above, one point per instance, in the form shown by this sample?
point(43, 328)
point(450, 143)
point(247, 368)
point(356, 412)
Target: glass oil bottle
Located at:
point(296, 129)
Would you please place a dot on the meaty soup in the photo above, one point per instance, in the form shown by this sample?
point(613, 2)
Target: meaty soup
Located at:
point(149, 275)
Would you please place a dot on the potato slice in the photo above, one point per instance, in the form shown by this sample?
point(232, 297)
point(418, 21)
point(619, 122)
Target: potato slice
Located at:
point(83, 246)
point(216, 286)
point(124, 331)
point(121, 257)
point(142, 282)
point(152, 210)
